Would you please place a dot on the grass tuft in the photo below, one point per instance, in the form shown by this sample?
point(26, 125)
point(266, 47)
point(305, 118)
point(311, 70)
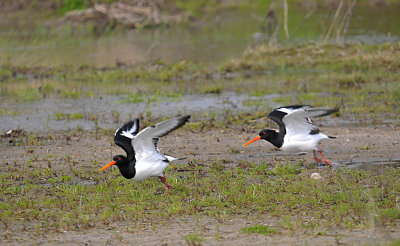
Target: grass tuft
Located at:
point(193, 239)
point(260, 229)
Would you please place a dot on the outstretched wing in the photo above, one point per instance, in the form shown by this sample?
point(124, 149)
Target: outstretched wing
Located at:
point(296, 119)
point(145, 143)
point(299, 122)
point(314, 112)
point(277, 115)
point(124, 136)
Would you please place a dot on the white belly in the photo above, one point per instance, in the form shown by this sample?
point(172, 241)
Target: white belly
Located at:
point(145, 170)
point(301, 142)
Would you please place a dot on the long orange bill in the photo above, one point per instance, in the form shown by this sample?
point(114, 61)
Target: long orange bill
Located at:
point(253, 140)
point(107, 166)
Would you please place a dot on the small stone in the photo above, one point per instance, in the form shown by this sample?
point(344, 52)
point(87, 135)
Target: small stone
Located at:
point(316, 176)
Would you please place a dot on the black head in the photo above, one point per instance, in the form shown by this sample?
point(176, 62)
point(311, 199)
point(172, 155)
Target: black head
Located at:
point(118, 160)
point(268, 135)
point(126, 167)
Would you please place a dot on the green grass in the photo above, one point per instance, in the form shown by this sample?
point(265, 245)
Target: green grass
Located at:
point(9, 112)
point(70, 94)
point(260, 229)
point(211, 89)
point(68, 5)
point(22, 138)
point(359, 78)
point(395, 243)
point(135, 98)
point(253, 102)
point(68, 116)
point(343, 198)
point(193, 239)
point(28, 95)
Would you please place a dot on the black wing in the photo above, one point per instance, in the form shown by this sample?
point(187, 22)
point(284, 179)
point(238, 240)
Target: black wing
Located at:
point(124, 136)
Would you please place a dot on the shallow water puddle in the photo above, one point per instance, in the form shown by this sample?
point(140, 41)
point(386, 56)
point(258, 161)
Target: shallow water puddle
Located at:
point(41, 115)
point(367, 164)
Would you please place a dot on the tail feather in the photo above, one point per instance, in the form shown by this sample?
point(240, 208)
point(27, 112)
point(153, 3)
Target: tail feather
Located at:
point(331, 137)
point(170, 158)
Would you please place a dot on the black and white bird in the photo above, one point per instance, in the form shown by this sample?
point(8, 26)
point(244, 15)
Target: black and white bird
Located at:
point(296, 130)
point(143, 158)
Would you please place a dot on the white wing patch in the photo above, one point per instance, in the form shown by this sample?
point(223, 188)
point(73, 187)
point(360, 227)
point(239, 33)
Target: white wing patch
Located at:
point(292, 110)
point(286, 110)
point(129, 133)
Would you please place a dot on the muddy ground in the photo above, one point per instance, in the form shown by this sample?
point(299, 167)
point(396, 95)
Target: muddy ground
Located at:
point(363, 147)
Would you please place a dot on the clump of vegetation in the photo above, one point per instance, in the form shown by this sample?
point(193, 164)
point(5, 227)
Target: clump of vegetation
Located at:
point(212, 89)
point(135, 98)
point(68, 116)
point(193, 239)
point(68, 5)
point(260, 229)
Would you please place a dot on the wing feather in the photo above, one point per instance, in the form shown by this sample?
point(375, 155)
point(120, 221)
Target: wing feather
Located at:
point(296, 119)
point(299, 122)
point(145, 142)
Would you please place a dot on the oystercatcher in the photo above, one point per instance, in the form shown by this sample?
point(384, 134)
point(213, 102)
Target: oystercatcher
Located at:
point(143, 158)
point(296, 130)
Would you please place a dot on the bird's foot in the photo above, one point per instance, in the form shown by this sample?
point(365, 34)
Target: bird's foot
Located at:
point(324, 166)
point(323, 158)
point(167, 189)
point(327, 162)
point(319, 161)
point(316, 158)
point(167, 186)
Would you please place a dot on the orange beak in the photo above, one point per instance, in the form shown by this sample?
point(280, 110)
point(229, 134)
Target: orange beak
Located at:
point(107, 166)
point(253, 140)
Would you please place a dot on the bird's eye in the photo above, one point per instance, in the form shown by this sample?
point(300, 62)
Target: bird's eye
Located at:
point(119, 158)
point(264, 133)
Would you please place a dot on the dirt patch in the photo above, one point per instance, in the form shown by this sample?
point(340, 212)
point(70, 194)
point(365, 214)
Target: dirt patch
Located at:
point(210, 231)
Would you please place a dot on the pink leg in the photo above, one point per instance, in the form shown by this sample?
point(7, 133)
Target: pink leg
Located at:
point(316, 158)
point(323, 158)
point(164, 180)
